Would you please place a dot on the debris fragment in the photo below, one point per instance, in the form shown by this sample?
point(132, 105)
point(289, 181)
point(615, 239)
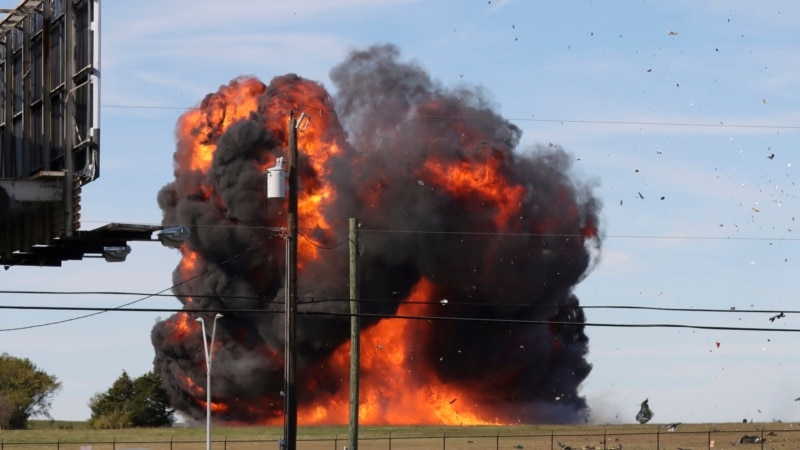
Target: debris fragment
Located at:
point(672, 33)
point(777, 316)
point(645, 413)
point(746, 439)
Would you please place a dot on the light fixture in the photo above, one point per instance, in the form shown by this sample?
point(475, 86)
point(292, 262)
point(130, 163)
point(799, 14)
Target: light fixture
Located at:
point(116, 253)
point(174, 237)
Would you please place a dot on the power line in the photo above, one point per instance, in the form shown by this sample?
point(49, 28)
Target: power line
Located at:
point(184, 108)
point(278, 233)
point(99, 310)
point(578, 235)
point(532, 119)
point(316, 300)
point(620, 122)
point(120, 307)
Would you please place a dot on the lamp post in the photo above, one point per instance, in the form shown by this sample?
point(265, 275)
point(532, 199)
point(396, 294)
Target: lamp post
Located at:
point(209, 356)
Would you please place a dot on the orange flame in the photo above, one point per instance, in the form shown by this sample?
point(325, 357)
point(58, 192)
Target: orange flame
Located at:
point(200, 393)
point(181, 325)
point(188, 263)
point(201, 126)
point(481, 181)
point(395, 386)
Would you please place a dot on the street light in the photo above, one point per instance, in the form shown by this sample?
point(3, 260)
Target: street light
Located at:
point(116, 253)
point(174, 236)
point(209, 356)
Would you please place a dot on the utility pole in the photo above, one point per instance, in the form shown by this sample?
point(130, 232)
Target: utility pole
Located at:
point(355, 340)
point(290, 394)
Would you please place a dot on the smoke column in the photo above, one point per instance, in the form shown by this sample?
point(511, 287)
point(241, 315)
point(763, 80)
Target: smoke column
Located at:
point(457, 225)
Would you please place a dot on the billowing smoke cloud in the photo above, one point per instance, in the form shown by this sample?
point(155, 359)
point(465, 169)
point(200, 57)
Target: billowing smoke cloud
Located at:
point(449, 209)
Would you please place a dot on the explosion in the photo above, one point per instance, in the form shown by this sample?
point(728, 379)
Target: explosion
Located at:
point(482, 241)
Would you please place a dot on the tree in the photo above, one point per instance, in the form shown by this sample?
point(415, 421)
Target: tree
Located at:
point(142, 402)
point(25, 392)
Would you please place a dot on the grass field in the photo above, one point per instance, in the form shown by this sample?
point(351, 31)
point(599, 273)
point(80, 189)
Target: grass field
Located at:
point(78, 436)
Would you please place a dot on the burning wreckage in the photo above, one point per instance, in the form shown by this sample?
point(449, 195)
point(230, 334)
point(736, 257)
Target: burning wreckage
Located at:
point(450, 209)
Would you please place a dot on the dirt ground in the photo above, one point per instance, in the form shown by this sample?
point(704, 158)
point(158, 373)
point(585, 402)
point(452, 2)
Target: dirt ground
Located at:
point(773, 436)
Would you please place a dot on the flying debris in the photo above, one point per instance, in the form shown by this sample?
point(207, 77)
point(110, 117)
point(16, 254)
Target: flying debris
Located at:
point(777, 316)
point(672, 426)
point(771, 156)
point(645, 413)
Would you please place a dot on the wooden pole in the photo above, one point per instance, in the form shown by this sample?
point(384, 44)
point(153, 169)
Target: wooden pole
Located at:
point(355, 341)
point(290, 420)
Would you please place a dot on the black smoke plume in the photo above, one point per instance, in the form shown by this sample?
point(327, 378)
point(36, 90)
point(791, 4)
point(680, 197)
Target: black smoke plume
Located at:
point(399, 135)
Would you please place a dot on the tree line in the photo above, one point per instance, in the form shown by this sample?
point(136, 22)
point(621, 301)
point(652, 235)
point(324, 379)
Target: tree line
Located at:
point(27, 392)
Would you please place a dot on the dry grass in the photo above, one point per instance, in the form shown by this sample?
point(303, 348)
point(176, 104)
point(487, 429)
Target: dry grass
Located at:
point(75, 435)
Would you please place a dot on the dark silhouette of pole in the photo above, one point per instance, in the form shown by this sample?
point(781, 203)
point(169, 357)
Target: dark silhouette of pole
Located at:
point(355, 341)
point(290, 393)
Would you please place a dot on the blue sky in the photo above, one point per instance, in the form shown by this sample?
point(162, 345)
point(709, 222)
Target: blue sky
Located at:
point(683, 100)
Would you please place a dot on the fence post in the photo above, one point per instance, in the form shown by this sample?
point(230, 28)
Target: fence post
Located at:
point(552, 439)
point(225, 442)
point(658, 438)
point(58, 443)
point(497, 442)
point(605, 438)
point(390, 441)
point(709, 439)
point(114, 443)
point(444, 440)
point(170, 442)
point(335, 442)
